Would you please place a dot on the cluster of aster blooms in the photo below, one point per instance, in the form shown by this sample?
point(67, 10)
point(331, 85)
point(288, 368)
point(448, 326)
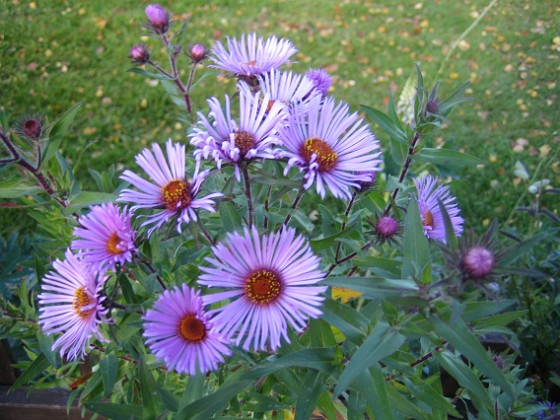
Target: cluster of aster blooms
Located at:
point(267, 281)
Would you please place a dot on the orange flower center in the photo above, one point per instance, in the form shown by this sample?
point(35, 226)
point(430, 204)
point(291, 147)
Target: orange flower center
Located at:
point(83, 303)
point(112, 244)
point(192, 329)
point(326, 156)
point(428, 219)
point(244, 141)
point(263, 287)
point(176, 195)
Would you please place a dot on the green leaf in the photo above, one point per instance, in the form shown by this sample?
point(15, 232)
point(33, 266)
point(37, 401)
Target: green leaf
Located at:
point(382, 342)
point(429, 396)
point(383, 267)
point(193, 391)
point(377, 287)
point(206, 407)
point(416, 252)
point(392, 129)
point(464, 376)
point(372, 385)
point(450, 236)
point(109, 367)
point(460, 337)
point(230, 215)
point(313, 386)
point(115, 411)
point(45, 344)
point(58, 131)
point(149, 74)
point(34, 370)
point(447, 157)
point(478, 310)
point(515, 251)
point(148, 389)
point(86, 199)
point(17, 188)
point(457, 97)
point(345, 318)
point(321, 358)
point(500, 320)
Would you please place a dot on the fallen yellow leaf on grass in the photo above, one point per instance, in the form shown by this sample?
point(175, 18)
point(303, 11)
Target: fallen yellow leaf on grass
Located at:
point(344, 294)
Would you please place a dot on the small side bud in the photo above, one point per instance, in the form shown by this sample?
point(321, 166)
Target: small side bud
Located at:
point(30, 127)
point(433, 106)
point(478, 262)
point(139, 54)
point(158, 17)
point(198, 53)
point(386, 227)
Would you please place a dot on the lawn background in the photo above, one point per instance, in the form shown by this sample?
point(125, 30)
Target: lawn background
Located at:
point(57, 53)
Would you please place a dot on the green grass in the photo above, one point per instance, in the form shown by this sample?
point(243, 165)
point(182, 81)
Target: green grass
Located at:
point(58, 53)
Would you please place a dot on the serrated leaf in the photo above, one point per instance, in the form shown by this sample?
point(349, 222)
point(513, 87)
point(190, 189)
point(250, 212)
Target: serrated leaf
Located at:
point(447, 157)
point(416, 253)
point(382, 342)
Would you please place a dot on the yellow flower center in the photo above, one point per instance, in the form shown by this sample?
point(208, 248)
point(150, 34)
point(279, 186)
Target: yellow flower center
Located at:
point(83, 304)
point(244, 141)
point(428, 219)
point(252, 63)
point(263, 287)
point(176, 195)
point(192, 329)
point(326, 156)
point(112, 244)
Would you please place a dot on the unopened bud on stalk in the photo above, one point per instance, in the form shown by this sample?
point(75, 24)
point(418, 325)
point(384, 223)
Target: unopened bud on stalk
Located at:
point(198, 53)
point(478, 262)
point(433, 106)
point(30, 127)
point(386, 227)
point(139, 54)
point(158, 17)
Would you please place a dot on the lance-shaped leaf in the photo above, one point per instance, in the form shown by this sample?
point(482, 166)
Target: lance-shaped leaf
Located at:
point(58, 131)
point(416, 252)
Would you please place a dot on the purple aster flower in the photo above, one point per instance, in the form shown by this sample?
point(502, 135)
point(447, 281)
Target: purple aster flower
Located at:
point(225, 140)
point(331, 146)
point(105, 236)
point(71, 304)
point(429, 193)
point(170, 191)
point(284, 87)
point(270, 282)
point(252, 56)
point(158, 17)
point(549, 408)
point(182, 335)
point(321, 80)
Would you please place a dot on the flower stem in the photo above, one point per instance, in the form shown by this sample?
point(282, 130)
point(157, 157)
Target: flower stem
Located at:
point(205, 232)
point(266, 206)
point(247, 182)
point(404, 171)
point(154, 271)
point(343, 227)
point(294, 206)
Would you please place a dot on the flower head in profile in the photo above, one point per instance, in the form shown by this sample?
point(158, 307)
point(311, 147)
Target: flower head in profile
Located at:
point(330, 146)
point(320, 79)
point(169, 191)
point(105, 237)
point(221, 138)
point(71, 303)
point(251, 55)
point(430, 193)
point(270, 281)
point(182, 335)
point(285, 88)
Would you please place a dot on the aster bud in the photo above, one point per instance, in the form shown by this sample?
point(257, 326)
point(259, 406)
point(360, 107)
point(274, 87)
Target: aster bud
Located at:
point(30, 127)
point(499, 360)
point(433, 106)
point(478, 262)
point(198, 53)
point(158, 17)
point(139, 54)
point(386, 227)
